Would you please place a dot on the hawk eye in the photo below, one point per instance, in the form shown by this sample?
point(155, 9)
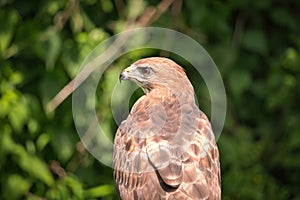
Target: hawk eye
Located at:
point(146, 71)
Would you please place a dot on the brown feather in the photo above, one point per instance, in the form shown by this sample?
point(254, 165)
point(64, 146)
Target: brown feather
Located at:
point(166, 148)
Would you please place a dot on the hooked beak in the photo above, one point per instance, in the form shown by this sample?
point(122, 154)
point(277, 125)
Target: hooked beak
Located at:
point(125, 74)
point(131, 73)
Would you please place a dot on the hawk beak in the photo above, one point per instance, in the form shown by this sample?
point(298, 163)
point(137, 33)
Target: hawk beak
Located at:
point(122, 76)
point(125, 74)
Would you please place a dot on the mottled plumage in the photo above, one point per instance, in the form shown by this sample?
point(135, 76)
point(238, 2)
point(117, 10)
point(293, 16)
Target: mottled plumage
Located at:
point(165, 149)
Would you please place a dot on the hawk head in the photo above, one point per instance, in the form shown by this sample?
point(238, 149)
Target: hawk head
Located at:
point(157, 73)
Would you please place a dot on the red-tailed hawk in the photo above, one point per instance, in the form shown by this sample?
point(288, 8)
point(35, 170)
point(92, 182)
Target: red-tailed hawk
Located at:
point(165, 149)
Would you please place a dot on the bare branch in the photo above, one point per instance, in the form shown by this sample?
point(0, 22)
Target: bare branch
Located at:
point(149, 16)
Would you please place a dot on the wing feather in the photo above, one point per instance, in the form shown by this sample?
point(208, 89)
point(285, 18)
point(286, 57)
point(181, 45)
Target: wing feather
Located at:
point(167, 147)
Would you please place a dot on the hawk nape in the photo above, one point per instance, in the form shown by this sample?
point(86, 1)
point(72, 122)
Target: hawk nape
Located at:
point(165, 149)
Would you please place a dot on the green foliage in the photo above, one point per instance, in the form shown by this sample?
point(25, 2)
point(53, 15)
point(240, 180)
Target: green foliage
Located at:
point(255, 44)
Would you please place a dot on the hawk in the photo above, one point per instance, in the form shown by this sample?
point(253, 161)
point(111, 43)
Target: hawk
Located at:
point(165, 149)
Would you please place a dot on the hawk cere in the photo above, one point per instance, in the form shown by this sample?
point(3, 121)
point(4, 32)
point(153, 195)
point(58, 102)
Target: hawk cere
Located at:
point(165, 149)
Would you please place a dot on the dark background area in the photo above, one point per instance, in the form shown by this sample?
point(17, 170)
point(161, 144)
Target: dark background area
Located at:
point(255, 44)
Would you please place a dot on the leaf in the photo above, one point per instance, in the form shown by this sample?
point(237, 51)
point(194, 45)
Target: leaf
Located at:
point(42, 141)
point(255, 40)
point(107, 6)
point(75, 185)
point(62, 144)
point(284, 18)
point(9, 19)
point(32, 165)
point(291, 60)
point(135, 8)
point(53, 47)
point(99, 191)
point(11, 191)
point(19, 114)
point(239, 81)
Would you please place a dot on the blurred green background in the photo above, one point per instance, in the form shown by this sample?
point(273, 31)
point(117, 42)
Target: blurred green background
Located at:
point(255, 44)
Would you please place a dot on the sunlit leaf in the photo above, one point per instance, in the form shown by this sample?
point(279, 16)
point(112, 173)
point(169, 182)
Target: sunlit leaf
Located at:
point(75, 185)
point(19, 114)
point(99, 191)
point(42, 141)
point(33, 165)
point(11, 191)
point(9, 19)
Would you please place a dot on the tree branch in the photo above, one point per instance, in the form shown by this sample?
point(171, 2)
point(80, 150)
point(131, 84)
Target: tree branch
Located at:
point(149, 16)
